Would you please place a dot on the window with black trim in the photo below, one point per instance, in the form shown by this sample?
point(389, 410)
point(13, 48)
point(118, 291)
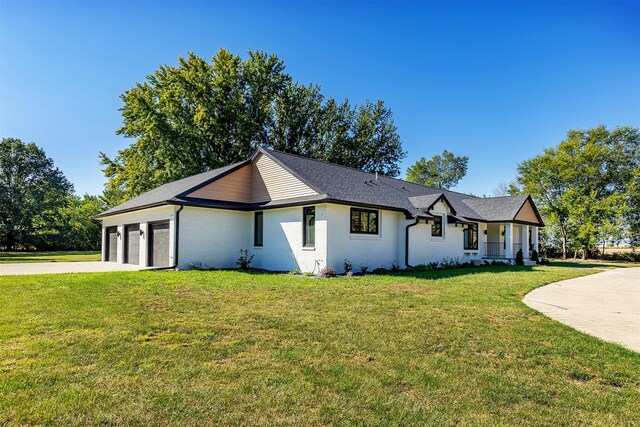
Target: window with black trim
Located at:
point(309, 226)
point(470, 232)
point(436, 227)
point(258, 228)
point(364, 221)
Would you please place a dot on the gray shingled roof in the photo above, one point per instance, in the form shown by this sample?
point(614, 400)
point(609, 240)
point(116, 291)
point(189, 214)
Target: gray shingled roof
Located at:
point(496, 208)
point(353, 185)
point(336, 183)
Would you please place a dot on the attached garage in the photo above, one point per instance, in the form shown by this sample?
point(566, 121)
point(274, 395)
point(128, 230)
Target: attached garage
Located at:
point(159, 244)
point(111, 244)
point(132, 244)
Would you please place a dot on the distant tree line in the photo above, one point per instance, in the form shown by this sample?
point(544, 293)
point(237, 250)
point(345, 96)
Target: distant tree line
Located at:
point(38, 209)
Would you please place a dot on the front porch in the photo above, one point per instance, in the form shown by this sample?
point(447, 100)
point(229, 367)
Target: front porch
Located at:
point(504, 240)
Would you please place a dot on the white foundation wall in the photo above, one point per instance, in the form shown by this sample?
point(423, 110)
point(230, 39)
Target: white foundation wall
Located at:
point(213, 237)
point(282, 248)
point(423, 248)
point(142, 217)
point(379, 250)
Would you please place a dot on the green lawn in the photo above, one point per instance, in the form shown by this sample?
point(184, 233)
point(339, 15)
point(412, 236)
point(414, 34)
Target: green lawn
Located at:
point(232, 348)
point(69, 256)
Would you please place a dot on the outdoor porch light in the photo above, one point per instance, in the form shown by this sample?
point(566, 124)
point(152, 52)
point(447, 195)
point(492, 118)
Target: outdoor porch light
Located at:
point(118, 233)
point(142, 232)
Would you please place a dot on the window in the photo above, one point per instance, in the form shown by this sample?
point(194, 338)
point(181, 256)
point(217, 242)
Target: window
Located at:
point(470, 236)
point(258, 228)
point(436, 227)
point(309, 227)
point(364, 221)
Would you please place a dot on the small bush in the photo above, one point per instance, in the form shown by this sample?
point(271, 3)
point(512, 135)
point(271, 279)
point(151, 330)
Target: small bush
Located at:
point(244, 262)
point(534, 255)
point(309, 274)
point(327, 272)
point(424, 267)
point(519, 257)
point(364, 268)
point(451, 262)
point(380, 270)
point(295, 272)
point(395, 267)
point(498, 263)
point(348, 266)
point(543, 261)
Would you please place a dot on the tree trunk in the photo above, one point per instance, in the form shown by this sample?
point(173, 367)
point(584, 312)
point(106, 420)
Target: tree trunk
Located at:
point(585, 253)
point(564, 244)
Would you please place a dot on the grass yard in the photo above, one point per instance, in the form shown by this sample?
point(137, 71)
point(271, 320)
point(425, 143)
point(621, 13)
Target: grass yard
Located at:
point(69, 256)
point(231, 348)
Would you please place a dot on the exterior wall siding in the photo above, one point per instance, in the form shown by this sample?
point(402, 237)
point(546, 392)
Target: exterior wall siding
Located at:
point(235, 187)
point(271, 181)
point(527, 214)
point(423, 248)
point(283, 249)
point(212, 237)
point(379, 250)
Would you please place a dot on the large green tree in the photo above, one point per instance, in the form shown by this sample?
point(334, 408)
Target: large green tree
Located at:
point(80, 230)
point(585, 185)
point(201, 115)
point(32, 194)
point(441, 171)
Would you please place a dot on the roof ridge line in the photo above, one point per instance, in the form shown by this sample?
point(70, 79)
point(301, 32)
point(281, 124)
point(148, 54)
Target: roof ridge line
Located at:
point(368, 173)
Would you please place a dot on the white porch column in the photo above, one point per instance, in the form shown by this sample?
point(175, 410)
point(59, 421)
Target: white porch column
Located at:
point(524, 239)
point(534, 239)
point(508, 240)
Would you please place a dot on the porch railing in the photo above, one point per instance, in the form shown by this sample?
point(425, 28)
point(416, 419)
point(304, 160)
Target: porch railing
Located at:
point(496, 249)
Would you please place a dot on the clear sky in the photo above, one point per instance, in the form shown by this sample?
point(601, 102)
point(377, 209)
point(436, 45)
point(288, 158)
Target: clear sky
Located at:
point(495, 81)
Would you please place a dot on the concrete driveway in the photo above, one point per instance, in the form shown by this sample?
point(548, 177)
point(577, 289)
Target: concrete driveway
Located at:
point(63, 267)
point(605, 305)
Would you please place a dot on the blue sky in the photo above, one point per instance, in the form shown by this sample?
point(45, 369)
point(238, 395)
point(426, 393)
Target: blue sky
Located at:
point(495, 81)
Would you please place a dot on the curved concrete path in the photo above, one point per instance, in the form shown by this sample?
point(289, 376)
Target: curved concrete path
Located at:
point(63, 267)
point(605, 305)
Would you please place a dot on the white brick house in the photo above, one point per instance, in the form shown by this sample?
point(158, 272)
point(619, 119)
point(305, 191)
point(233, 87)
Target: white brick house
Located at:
point(295, 213)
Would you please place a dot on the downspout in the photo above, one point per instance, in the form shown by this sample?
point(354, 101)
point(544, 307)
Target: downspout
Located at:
point(177, 239)
point(406, 242)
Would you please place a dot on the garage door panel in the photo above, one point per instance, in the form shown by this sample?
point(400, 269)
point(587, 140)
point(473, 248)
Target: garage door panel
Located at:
point(132, 244)
point(111, 249)
point(159, 244)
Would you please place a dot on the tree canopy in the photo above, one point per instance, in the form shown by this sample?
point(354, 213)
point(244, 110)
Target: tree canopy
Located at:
point(38, 209)
point(201, 115)
point(441, 171)
point(587, 187)
point(32, 191)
